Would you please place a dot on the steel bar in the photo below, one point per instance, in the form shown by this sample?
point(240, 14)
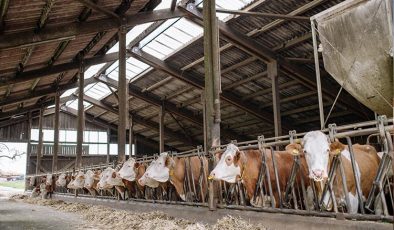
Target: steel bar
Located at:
point(261, 14)
point(356, 177)
point(161, 128)
point(28, 151)
point(317, 70)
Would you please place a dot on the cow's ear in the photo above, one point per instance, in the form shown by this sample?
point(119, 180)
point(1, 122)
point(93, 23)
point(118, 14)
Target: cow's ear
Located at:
point(238, 158)
point(114, 175)
point(336, 147)
point(294, 149)
point(218, 155)
point(168, 162)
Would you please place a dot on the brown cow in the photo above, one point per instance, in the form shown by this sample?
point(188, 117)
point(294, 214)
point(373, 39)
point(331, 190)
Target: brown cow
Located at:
point(177, 174)
point(234, 165)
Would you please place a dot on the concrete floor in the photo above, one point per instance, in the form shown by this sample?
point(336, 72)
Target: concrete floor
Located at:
point(18, 216)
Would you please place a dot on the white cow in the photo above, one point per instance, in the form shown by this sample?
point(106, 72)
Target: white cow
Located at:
point(109, 179)
point(61, 180)
point(127, 171)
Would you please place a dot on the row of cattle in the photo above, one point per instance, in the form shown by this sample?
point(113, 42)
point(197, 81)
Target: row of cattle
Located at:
point(188, 176)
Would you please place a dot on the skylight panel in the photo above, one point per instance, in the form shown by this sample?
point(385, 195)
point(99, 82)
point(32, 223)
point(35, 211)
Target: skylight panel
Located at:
point(74, 104)
point(68, 92)
point(153, 52)
point(98, 91)
point(93, 70)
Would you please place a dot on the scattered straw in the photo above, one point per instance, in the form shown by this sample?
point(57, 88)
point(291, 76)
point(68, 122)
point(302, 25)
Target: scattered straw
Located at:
point(101, 217)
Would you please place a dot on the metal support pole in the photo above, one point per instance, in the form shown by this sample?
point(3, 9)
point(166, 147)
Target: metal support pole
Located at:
point(212, 85)
point(131, 136)
point(81, 116)
point(40, 139)
point(272, 70)
point(161, 128)
point(317, 69)
point(28, 151)
point(108, 144)
point(123, 95)
point(56, 128)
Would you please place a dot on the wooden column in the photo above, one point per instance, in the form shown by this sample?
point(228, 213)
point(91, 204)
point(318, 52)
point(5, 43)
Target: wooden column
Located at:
point(212, 74)
point(81, 119)
point(123, 96)
point(56, 133)
point(40, 139)
point(161, 128)
point(28, 150)
point(272, 70)
point(131, 136)
point(212, 88)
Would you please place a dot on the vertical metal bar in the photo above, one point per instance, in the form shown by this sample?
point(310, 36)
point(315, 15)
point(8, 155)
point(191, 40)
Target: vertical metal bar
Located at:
point(356, 177)
point(272, 70)
point(56, 128)
point(131, 136)
point(40, 139)
point(123, 95)
point(161, 128)
point(274, 165)
point(317, 69)
point(344, 183)
point(28, 151)
point(108, 144)
point(81, 114)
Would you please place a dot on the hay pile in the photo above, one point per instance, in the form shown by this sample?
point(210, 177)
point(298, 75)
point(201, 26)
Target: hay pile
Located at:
point(101, 217)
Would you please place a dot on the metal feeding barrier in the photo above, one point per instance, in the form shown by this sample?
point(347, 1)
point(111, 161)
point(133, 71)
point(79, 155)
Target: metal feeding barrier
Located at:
point(298, 194)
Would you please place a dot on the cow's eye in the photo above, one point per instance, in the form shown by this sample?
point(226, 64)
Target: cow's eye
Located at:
point(228, 159)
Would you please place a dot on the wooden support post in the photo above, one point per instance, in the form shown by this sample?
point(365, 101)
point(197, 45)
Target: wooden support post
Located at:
point(123, 96)
point(81, 117)
point(135, 145)
point(28, 150)
point(131, 136)
point(161, 129)
point(108, 144)
point(56, 127)
point(212, 86)
point(40, 139)
point(272, 70)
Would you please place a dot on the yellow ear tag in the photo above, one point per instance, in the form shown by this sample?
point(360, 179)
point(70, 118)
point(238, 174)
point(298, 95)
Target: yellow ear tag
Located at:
point(295, 152)
point(210, 177)
point(337, 151)
point(171, 172)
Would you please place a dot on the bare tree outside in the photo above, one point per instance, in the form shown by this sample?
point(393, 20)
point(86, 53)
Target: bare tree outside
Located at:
point(6, 152)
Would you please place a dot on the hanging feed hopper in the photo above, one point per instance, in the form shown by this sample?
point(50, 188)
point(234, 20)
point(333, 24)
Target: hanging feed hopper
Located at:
point(357, 42)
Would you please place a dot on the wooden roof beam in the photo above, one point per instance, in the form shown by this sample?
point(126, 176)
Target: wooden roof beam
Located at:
point(72, 30)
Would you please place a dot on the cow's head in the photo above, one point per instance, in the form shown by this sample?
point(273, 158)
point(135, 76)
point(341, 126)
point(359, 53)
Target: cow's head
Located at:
point(157, 169)
point(49, 179)
point(128, 170)
point(144, 180)
point(228, 166)
point(316, 149)
point(61, 180)
point(79, 180)
point(109, 178)
point(32, 181)
point(90, 177)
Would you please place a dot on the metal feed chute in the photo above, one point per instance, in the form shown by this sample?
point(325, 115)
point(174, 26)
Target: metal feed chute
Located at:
point(357, 44)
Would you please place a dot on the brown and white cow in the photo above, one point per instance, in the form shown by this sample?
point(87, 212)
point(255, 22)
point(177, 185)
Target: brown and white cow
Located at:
point(50, 183)
point(109, 179)
point(130, 173)
point(234, 164)
point(317, 149)
point(177, 174)
point(91, 180)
